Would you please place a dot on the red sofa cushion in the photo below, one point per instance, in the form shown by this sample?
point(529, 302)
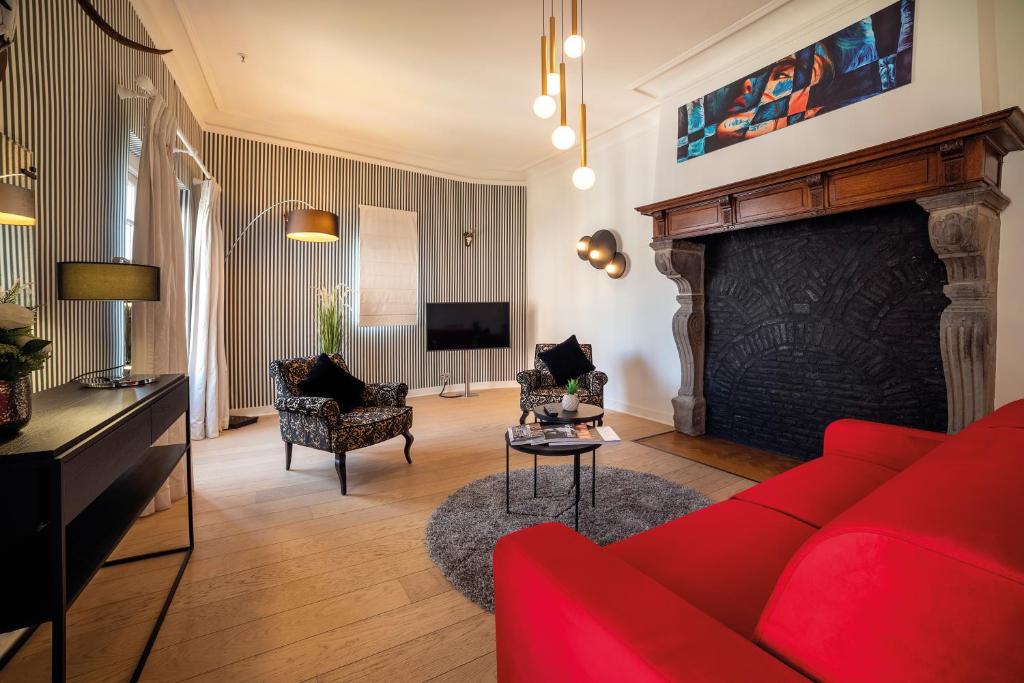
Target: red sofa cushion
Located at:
point(724, 559)
point(887, 445)
point(921, 580)
point(817, 491)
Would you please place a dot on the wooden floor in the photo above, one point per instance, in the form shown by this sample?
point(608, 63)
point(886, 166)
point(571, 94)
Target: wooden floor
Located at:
point(743, 461)
point(290, 581)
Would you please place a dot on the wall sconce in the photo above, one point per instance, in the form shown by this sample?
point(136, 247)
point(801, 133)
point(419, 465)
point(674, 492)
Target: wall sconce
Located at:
point(467, 237)
point(601, 250)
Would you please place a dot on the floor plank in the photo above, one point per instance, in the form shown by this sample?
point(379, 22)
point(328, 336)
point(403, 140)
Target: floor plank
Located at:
point(290, 581)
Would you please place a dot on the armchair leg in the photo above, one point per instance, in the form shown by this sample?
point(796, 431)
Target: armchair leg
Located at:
point(522, 418)
point(339, 465)
point(287, 455)
point(408, 445)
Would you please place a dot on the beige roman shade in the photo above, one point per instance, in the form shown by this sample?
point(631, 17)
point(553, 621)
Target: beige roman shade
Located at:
point(388, 267)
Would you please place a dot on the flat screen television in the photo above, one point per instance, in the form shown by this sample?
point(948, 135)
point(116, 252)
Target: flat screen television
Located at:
point(467, 326)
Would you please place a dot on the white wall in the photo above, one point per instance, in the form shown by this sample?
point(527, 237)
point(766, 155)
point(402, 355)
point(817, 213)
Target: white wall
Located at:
point(628, 320)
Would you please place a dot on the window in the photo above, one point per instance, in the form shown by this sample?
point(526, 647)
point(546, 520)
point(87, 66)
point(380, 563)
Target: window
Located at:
point(388, 267)
point(131, 190)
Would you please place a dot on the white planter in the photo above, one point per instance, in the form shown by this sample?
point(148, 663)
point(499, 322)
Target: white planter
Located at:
point(570, 403)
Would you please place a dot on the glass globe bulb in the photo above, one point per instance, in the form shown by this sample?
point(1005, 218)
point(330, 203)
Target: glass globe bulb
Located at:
point(563, 137)
point(544, 106)
point(584, 178)
point(554, 84)
point(574, 46)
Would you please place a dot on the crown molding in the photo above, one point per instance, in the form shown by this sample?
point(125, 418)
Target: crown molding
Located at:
point(514, 180)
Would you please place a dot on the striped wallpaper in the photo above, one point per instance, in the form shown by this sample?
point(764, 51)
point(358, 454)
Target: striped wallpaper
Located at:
point(59, 102)
point(270, 279)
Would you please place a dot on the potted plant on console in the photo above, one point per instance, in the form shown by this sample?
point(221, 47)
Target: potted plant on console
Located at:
point(570, 401)
point(20, 354)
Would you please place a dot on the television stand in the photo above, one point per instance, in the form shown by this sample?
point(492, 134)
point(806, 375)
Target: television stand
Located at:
point(465, 376)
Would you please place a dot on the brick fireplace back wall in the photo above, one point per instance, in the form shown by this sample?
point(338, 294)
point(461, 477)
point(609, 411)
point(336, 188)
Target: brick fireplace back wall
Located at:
point(819, 319)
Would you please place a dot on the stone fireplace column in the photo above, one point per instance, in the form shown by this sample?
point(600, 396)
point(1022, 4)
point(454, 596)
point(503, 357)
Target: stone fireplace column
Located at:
point(963, 228)
point(683, 263)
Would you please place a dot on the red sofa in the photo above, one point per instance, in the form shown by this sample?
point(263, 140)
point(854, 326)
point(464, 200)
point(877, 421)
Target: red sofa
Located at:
point(896, 556)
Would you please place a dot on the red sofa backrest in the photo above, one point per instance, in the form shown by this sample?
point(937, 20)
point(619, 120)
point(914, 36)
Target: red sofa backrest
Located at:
point(923, 579)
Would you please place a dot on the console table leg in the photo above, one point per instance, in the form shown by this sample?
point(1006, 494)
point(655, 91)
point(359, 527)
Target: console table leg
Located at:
point(508, 506)
point(58, 634)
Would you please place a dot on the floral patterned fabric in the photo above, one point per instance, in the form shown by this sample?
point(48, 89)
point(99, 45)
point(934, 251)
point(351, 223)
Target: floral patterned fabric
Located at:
point(319, 423)
point(538, 385)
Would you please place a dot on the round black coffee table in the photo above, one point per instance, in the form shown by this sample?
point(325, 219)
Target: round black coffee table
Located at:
point(557, 451)
point(586, 413)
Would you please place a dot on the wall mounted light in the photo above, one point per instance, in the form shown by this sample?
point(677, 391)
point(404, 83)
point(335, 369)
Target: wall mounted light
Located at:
point(601, 251)
point(467, 237)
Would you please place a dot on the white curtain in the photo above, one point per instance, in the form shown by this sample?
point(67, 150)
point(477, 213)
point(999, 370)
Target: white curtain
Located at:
point(158, 327)
point(388, 266)
point(207, 362)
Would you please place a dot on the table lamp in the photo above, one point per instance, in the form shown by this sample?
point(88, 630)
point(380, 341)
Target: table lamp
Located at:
point(120, 280)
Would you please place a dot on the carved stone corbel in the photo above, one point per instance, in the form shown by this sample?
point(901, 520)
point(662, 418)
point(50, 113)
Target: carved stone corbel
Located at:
point(683, 263)
point(963, 228)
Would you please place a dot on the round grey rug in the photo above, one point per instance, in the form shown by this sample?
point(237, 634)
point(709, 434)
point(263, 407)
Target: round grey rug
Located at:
point(463, 530)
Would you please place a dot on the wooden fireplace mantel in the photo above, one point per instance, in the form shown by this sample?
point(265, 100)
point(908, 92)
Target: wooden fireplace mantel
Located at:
point(963, 156)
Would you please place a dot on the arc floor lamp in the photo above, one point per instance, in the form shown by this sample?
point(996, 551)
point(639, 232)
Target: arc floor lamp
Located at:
point(306, 224)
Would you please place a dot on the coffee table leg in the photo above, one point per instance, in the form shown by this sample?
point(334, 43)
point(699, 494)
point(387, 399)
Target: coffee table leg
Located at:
point(593, 480)
point(535, 476)
point(508, 505)
point(576, 484)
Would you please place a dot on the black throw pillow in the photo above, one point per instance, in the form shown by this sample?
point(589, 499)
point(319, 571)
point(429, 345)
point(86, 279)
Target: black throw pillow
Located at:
point(327, 380)
point(566, 361)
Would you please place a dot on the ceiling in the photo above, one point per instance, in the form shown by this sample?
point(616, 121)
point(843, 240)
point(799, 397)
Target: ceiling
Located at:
point(445, 85)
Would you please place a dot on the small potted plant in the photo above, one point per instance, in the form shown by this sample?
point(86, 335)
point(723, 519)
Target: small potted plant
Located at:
point(20, 353)
point(331, 304)
point(570, 401)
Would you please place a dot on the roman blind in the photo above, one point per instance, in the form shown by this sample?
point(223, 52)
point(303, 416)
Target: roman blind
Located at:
point(388, 266)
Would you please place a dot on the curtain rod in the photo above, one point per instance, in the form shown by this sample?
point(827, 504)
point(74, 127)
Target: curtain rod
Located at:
point(146, 91)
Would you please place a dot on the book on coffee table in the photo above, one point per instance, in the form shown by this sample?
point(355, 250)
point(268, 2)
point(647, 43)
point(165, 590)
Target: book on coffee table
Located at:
point(536, 434)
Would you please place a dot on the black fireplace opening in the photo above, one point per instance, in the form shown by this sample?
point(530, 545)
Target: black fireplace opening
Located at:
point(820, 319)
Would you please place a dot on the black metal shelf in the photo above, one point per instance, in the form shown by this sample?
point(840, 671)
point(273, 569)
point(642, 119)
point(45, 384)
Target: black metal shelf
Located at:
point(93, 534)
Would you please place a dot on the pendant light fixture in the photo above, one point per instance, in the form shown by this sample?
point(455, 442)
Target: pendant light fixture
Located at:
point(544, 106)
point(583, 177)
point(574, 45)
point(554, 80)
point(563, 137)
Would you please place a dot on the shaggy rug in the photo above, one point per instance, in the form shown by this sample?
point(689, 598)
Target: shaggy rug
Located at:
point(462, 531)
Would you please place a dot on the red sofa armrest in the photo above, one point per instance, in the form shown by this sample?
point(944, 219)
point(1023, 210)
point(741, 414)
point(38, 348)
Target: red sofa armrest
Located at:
point(887, 445)
point(568, 611)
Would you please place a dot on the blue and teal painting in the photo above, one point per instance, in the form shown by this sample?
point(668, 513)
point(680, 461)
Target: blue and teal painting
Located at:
point(867, 58)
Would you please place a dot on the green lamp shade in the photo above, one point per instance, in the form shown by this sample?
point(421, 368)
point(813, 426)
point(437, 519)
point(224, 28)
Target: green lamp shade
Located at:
point(98, 281)
point(17, 205)
point(311, 225)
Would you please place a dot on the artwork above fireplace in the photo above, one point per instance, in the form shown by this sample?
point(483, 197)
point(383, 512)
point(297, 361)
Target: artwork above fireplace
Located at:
point(952, 173)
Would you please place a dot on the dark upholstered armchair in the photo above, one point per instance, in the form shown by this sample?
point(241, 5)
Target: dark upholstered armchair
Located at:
point(538, 387)
point(319, 423)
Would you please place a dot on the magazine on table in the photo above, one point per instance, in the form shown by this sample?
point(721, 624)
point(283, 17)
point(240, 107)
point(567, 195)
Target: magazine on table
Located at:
point(536, 434)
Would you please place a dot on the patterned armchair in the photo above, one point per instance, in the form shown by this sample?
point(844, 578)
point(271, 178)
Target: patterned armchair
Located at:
point(538, 387)
point(318, 422)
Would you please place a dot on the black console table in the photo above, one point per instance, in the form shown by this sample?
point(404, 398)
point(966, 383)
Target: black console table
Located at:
point(72, 483)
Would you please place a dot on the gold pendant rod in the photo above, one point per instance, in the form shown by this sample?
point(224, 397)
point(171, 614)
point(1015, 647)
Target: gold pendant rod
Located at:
point(583, 134)
point(543, 65)
point(575, 11)
point(551, 42)
point(561, 90)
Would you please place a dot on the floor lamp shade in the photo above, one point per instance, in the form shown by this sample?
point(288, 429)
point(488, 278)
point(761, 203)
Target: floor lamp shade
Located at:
point(17, 205)
point(98, 281)
point(312, 225)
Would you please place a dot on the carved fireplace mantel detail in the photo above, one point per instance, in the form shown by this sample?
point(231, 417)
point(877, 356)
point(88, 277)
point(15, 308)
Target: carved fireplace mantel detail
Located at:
point(683, 263)
point(953, 172)
point(963, 228)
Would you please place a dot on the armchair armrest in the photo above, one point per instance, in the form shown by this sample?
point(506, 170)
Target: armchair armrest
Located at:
point(313, 406)
point(530, 379)
point(882, 444)
point(568, 611)
point(594, 381)
point(385, 394)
